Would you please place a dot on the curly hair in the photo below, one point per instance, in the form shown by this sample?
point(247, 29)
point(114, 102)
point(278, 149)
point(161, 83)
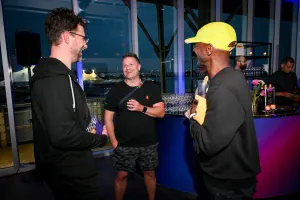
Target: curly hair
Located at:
point(60, 20)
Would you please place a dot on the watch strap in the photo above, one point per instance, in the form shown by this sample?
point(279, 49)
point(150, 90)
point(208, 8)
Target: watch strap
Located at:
point(144, 109)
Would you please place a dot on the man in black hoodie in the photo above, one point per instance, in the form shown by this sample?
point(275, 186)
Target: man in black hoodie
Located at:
point(226, 142)
point(62, 146)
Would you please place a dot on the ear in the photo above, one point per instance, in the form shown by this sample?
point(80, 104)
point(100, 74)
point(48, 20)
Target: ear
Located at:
point(281, 66)
point(209, 49)
point(139, 67)
point(66, 37)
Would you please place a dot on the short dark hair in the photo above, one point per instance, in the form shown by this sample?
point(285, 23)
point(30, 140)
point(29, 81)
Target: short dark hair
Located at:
point(238, 58)
point(60, 20)
point(288, 59)
point(132, 55)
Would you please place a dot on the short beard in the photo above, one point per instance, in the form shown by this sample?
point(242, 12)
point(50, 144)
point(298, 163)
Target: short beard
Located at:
point(242, 67)
point(77, 55)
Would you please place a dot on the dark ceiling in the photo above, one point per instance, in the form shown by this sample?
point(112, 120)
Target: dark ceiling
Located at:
point(262, 7)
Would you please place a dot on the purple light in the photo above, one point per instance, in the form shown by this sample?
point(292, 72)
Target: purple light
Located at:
point(180, 47)
point(79, 74)
point(290, 1)
point(181, 82)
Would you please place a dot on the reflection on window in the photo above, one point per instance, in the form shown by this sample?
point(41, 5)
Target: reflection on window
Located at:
point(25, 15)
point(263, 26)
point(6, 158)
point(2, 85)
point(109, 34)
point(196, 15)
point(148, 40)
point(288, 29)
point(157, 43)
point(236, 15)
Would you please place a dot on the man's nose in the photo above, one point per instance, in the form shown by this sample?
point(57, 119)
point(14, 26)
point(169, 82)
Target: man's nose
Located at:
point(85, 46)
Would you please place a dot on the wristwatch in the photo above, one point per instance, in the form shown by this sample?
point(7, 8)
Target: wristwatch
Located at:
point(144, 109)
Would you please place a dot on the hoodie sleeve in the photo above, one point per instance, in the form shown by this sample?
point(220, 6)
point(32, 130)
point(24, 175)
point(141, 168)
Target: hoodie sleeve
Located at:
point(223, 118)
point(59, 117)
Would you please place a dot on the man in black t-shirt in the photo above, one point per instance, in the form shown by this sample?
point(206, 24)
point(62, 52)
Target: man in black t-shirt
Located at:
point(130, 110)
point(285, 81)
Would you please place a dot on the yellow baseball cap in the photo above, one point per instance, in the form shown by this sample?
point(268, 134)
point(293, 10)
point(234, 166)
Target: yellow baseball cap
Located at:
point(218, 34)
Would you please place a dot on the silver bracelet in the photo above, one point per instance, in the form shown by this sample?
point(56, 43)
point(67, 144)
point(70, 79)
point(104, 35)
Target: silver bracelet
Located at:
point(192, 115)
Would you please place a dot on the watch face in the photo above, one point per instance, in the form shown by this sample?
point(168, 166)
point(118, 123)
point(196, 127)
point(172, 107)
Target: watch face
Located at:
point(145, 109)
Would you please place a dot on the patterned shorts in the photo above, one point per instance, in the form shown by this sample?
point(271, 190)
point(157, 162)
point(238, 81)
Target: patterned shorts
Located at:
point(126, 158)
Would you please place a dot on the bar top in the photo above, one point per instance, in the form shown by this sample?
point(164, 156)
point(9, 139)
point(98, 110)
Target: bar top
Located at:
point(255, 116)
point(277, 115)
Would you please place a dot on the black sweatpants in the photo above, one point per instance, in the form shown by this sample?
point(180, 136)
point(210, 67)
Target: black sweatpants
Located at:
point(209, 188)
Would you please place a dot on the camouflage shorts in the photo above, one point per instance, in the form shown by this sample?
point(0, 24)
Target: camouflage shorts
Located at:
point(126, 158)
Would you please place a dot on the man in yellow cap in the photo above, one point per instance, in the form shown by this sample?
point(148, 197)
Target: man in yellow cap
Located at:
point(226, 143)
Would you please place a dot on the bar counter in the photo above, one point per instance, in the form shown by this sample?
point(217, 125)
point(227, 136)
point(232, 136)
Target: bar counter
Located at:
point(279, 148)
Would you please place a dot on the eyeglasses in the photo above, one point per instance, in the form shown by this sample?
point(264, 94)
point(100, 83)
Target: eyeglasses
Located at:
point(86, 39)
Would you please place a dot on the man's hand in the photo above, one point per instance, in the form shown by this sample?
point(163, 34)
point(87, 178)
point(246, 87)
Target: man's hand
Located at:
point(285, 94)
point(194, 106)
point(93, 130)
point(114, 144)
point(288, 95)
point(104, 132)
point(187, 114)
point(134, 105)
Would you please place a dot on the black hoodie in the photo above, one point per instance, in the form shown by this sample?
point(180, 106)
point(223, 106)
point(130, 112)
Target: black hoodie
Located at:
point(60, 116)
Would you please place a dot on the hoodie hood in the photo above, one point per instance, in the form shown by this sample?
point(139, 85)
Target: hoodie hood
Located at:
point(50, 67)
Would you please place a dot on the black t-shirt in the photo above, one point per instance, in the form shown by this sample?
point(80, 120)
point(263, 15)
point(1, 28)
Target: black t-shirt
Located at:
point(133, 128)
point(283, 82)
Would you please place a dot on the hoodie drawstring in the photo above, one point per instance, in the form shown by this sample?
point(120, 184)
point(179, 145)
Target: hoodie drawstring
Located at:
point(72, 92)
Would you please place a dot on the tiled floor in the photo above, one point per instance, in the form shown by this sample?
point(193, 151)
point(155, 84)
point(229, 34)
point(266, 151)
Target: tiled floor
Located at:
point(25, 187)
